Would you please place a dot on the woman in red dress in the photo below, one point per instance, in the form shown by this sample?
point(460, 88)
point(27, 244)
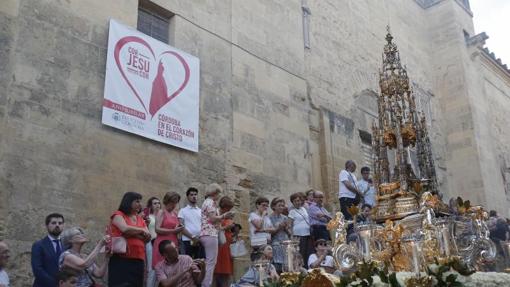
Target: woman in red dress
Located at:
point(224, 267)
point(128, 268)
point(167, 224)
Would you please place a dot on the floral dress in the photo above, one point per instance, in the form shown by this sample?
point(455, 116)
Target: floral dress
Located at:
point(207, 227)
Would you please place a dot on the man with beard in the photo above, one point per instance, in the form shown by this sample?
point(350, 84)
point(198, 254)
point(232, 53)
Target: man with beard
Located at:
point(45, 253)
point(189, 217)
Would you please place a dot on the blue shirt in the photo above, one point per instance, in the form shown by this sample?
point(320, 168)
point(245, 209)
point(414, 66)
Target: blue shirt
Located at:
point(313, 213)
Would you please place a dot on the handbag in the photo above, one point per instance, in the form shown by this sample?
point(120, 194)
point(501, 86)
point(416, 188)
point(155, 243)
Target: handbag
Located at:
point(119, 245)
point(238, 249)
point(222, 239)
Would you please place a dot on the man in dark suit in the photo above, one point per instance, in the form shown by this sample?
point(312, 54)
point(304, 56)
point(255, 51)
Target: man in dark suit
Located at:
point(45, 253)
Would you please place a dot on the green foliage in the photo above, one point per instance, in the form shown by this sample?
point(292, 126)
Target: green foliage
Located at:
point(441, 281)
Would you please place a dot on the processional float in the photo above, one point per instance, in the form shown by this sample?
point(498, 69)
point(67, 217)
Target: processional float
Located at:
point(411, 227)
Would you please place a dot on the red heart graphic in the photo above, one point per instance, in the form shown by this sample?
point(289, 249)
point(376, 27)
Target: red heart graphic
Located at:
point(159, 93)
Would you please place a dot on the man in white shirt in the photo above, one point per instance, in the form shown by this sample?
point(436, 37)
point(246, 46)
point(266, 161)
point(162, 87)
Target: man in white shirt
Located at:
point(348, 193)
point(4, 257)
point(366, 187)
point(189, 217)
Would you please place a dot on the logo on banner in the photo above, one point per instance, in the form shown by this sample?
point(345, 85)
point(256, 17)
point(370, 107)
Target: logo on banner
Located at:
point(145, 65)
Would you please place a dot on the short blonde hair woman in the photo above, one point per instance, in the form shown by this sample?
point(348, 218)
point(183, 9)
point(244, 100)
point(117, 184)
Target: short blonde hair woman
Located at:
point(210, 224)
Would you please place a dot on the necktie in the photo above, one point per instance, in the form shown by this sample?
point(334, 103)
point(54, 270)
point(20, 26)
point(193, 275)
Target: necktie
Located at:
point(58, 249)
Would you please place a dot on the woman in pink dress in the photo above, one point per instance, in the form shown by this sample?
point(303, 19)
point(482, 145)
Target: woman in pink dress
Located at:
point(167, 224)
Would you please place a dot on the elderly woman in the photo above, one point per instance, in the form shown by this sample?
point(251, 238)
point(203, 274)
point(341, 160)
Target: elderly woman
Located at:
point(224, 267)
point(167, 224)
point(73, 240)
point(253, 277)
point(280, 233)
point(210, 225)
point(301, 225)
point(126, 267)
point(260, 225)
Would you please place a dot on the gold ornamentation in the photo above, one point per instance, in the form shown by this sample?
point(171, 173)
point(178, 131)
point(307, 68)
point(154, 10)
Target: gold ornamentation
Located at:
point(408, 135)
point(406, 205)
point(422, 281)
point(289, 278)
point(388, 188)
point(319, 278)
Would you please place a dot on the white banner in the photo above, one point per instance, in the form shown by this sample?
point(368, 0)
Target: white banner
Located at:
point(151, 89)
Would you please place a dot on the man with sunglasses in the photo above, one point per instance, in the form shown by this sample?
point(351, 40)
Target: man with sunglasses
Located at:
point(321, 257)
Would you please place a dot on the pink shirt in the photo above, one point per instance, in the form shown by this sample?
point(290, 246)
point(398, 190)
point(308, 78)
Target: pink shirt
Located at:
point(165, 270)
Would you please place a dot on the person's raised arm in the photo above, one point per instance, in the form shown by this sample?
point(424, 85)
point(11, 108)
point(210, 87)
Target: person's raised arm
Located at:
point(100, 271)
point(199, 272)
point(76, 262)
point(317, 263)
point(258, 223)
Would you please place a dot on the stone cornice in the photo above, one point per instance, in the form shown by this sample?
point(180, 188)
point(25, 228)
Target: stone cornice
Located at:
point(497, 64)
point(425, 4)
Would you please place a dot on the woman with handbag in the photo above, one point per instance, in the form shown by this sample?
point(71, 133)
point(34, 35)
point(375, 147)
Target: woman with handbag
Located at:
point(300, 223)
point(210, 225)
point(129, 235)
point(224, 267)
point(167, 224)
point(84, 265)
point(260, 226)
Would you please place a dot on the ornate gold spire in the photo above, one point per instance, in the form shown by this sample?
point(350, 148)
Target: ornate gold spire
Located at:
point(398, 129)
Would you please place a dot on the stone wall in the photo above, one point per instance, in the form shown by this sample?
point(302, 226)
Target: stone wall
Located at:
point(491, 106)
point(275, 117)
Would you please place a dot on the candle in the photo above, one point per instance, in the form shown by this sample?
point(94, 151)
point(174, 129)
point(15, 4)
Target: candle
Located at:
point(366, 248)
point(289, 258)
point(365, 238)
point(261, 272)
point(416, 265)
point(446, 241)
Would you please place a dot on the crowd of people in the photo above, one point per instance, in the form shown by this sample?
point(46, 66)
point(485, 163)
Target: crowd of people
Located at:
point(162, 244)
